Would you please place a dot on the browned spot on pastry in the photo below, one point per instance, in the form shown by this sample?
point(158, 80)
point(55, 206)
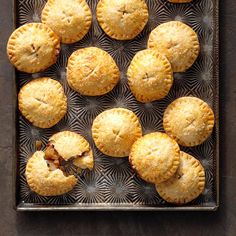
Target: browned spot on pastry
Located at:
point(38, 145)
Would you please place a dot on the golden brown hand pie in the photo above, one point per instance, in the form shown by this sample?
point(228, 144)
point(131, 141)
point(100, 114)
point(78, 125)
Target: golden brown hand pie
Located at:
point(155, 157)
point(92, 72)
point(188, 120)
point(178, 42)
point(187, 183)
point(69, 19)
point(123, 19)
point(150, 76)
point(42, 101)
point(44, 181)
point(70, 145)
point(114, 131)
point(33, 47)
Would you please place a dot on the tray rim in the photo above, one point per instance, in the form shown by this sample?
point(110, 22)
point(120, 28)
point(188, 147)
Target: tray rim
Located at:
point(26, 207)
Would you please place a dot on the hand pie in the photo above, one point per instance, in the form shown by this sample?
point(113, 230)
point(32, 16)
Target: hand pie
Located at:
point(114, 131)
point(187, 183)
point(123, 19)
point(92, 72)
point(155, 157)
point(189, 121)
point(33, 47)
point(70, 145)
point(178, 42)
point(42, 101)
point(150, 76)
point(45, 181)
point(70, 19)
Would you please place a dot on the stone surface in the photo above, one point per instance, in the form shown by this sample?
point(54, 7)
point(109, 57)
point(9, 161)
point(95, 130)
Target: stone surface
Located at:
point(217, 223)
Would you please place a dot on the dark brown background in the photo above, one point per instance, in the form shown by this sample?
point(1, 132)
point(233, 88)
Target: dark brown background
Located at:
point(222, 222)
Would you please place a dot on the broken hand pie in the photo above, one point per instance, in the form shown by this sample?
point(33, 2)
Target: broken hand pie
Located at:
point(70, 145)
point(45, 172)
point(43, 180)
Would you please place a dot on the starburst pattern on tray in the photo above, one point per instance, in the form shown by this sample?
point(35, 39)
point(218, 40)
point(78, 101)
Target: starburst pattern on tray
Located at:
point(90, 188)
point(116, 165)
point(154, 11)
point(90, 107)
point(121, 51)
point(83, 127)
point(30, 11)
point(145, 193)
point(199, 76)
point(98, 160)
point(118, 188)
point(68, 198)
point(176, 12)
point(58, 70)
point(206, 43)
point(120, 96)
point(113, 181)
point(28, 196)
point(151, 124)
point(201, 18)
point(29, 134)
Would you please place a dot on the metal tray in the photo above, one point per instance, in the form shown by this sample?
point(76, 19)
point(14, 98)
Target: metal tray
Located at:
point(113, 185)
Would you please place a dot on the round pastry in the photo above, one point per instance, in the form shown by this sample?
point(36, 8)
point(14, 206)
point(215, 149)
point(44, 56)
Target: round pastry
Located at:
point(70, 145)
point(178, 42)
point(189, 121)
point(180, 1)
point(33, 47)
point(155, 157)
point(92, 72)
point(123, 19)
point(43, 102)
point(150, 76)
point(187, 183)
point(43, 180)
point(114, 131)
point(70, 19)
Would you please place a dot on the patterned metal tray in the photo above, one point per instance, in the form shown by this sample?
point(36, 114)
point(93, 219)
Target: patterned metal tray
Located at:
point(113, 185)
